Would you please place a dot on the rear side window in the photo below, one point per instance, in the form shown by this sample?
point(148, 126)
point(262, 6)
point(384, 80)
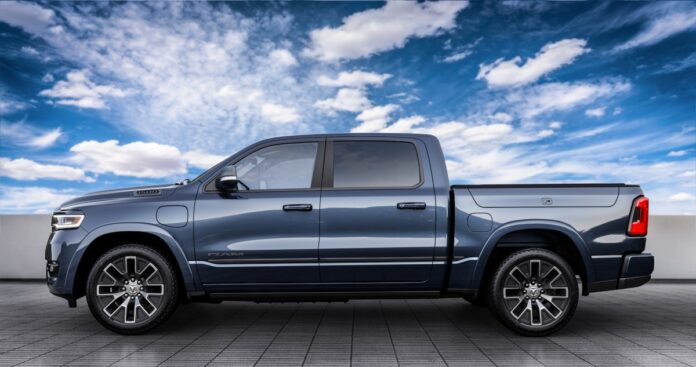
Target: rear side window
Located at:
point(375, 164)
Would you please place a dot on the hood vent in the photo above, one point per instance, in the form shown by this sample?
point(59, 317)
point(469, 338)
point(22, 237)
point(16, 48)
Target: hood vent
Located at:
point(149, 192)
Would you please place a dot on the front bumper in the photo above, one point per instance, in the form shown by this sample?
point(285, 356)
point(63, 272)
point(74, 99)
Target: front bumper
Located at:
point(635, 271)
point(60, 248)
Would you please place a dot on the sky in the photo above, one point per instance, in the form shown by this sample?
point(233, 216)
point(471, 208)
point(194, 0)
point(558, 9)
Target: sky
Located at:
point(98, 96)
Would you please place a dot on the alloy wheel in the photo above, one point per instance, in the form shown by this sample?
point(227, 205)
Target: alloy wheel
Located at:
point(130, 289)
point(535, 293)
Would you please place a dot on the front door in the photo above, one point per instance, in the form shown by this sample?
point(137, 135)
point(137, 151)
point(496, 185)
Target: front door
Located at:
point(266, 234)
point(377, 214)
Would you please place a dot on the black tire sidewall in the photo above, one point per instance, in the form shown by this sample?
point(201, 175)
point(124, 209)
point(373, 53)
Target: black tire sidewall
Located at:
point(495, 292)
point(169, 301)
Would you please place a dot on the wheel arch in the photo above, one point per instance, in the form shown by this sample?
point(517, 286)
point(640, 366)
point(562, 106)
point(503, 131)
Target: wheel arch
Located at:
point(107, 237)
point(557, 236)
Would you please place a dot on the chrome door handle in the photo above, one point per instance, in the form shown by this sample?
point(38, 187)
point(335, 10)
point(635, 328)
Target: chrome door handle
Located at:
point(297, 207)
point(412, 206)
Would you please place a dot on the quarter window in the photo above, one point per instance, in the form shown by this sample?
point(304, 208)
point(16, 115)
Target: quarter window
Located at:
point(375, 164)
point(283, 166)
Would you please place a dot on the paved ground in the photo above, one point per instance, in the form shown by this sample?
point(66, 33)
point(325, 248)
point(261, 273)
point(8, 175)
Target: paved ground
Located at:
point(654, 325)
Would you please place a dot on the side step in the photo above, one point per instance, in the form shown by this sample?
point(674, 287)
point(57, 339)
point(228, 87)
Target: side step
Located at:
point(320, 296)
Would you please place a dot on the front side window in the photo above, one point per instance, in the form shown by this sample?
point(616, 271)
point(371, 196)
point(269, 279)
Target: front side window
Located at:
point(375, 164)
point(283, 166)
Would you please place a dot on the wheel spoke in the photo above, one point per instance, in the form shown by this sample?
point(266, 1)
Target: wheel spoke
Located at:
point(130, 315)
point(154, 289)
point(148, 272)
point(109, 290)
point(535, 269)
point(114, 305)
point(518, 276)
point(146, 305)
point(519, 309)
point(131, 263)
point(512, 293)
point(557, 292)
point(535, 316)
point(551, 307)
point(113, 273)
point(551, 276)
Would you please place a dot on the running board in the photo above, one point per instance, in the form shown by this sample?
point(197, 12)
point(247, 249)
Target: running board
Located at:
point(321, 296)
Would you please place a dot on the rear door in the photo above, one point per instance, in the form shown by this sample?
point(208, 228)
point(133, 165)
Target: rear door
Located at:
point(377, 212)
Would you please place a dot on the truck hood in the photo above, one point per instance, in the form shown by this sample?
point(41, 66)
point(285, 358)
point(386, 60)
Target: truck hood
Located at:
point(120, 195)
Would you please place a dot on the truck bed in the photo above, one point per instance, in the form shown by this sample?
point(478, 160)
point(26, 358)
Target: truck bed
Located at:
point(593, 217)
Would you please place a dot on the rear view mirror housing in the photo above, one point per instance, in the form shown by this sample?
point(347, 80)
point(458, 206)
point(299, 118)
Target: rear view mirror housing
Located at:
point(227, 179)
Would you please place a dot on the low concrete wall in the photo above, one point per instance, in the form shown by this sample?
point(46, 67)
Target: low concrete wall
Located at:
point(672, 239)
point(22, 245)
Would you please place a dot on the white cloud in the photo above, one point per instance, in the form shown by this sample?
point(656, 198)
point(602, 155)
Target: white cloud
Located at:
point(507, 73)
point(25, 169)
point(283, 57)
point(137, 159)
point(29, 51)
point(199, 159)
point(32, 199)
point(347, 99)
point(680, 65)
point(376, 30)
point(590, 132)
point(502, 117)
point(32, 18)
point(10, 103)
point(404, 125)
point(457, 56)
point(78, 90)
point(25, 135)
point(47, 78)
point(595, 112)
point(682, 196)
point(545, 133)
point(354, 79)
point(662, 26)
point(539, 99)
point(677, 153)
point(555, 125)
point(374, 119)
point(191, 70)
point(279, 114)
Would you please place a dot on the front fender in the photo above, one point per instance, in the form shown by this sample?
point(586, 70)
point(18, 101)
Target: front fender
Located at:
point(552, 225)
point(190, 281)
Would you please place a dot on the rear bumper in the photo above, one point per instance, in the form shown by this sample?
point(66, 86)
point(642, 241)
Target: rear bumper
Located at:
point(635, 271)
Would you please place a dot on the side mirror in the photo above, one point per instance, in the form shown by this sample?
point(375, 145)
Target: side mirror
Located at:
point(227, 180)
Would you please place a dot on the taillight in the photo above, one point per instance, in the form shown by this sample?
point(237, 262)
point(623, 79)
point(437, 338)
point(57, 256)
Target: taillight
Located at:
point(638, 225)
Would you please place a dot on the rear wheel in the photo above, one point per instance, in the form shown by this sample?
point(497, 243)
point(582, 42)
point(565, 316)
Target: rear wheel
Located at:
point(131, 289)
point(534, 292)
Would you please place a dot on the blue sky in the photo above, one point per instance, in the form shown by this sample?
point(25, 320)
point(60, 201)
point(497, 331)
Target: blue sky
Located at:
point(96, 96)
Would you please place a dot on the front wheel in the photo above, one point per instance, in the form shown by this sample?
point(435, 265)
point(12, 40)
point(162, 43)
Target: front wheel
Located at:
point(534, 292)
point(131, 289)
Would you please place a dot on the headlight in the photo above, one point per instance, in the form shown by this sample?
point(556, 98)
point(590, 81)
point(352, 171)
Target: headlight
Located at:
point(67, 221)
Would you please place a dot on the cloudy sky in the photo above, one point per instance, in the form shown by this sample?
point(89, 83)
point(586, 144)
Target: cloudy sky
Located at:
point(99, 96)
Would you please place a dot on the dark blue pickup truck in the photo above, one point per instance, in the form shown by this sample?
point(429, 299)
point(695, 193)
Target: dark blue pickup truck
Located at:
point(338, 217)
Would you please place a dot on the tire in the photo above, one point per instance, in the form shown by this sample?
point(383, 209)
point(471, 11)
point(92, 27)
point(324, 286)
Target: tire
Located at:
point(131, 289)
point(534, 292)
